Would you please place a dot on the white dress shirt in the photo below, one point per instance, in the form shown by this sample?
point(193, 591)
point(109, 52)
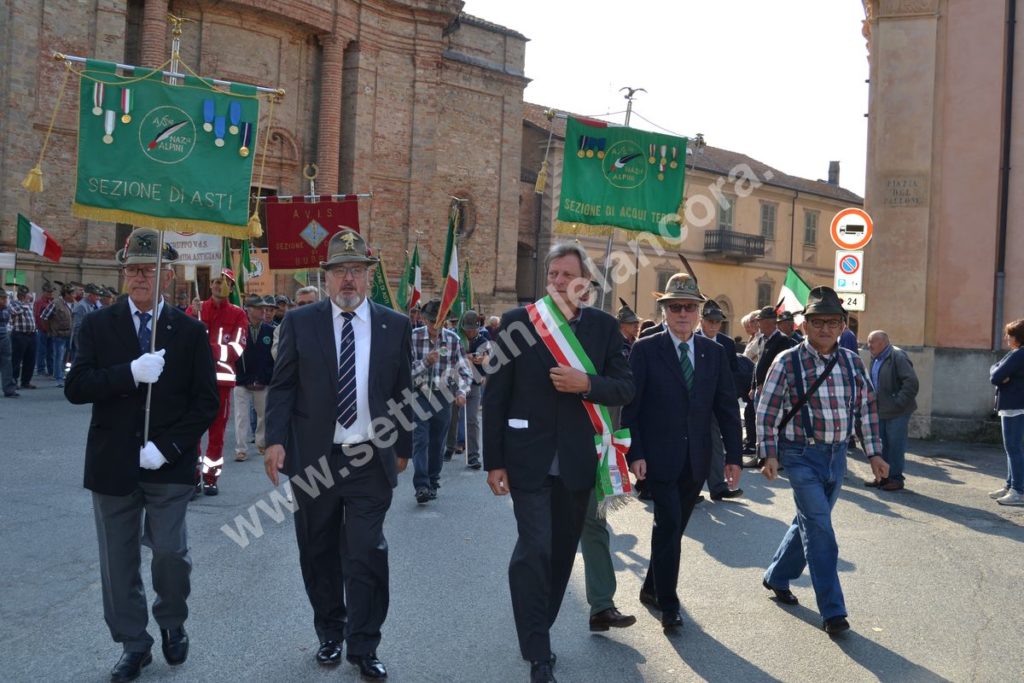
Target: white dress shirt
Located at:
point(361, 329)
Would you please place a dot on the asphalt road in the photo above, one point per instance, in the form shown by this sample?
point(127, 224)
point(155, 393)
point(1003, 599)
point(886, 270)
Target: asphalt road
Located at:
point(932, 575)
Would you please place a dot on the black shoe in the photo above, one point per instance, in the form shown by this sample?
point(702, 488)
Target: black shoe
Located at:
point(671, 622)
point(13, 394)
point(175, 645)
point(700, 499)
point(648, 598)
point(433, 493)
point(728, 493)
point(753, 462)
point(749, 450)
point(329, 653)
point(836, 625)
point(448, 453)
point(474, 462)
point(370, 667)
point(784, 595)
point(130, 666)
point(422, 496)
point(210, 489)
point(610, 618)
point(542, 672)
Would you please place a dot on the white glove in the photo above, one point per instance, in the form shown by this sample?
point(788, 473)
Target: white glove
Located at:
point(150, 457)
point(146, 368)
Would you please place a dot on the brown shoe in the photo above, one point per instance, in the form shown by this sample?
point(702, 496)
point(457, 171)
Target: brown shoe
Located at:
point(241, 456)
point(875, 483)
point(610, 618)
point(892, 485)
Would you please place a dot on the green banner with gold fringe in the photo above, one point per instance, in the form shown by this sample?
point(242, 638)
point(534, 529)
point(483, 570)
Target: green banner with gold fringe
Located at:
point(172, 157)
point(622, 177)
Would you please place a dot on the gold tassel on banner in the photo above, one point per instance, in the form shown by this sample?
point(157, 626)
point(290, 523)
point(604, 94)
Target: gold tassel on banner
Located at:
point(542, 175)
point(255, 227)
point(542, 178)
point(33, 182)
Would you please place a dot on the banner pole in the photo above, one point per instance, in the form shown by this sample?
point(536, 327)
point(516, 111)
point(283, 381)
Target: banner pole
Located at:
point(630, 94)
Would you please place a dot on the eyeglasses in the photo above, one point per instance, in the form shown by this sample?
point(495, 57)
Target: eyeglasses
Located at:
point(303, 303)
point(134, 271)
point(818, 323)
point(676, 308)
point(354, 271)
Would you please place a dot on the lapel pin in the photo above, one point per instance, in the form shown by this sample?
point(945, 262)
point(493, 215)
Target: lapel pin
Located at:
point(383, 326)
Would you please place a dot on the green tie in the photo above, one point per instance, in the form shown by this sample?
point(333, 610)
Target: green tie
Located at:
point(684, 361)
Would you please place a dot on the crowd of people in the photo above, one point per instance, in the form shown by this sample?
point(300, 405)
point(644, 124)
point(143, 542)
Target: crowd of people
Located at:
point(339, 384)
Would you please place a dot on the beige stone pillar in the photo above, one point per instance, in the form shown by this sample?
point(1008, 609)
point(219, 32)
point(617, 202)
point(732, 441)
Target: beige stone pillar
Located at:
point(329, 131)
point(154, 33)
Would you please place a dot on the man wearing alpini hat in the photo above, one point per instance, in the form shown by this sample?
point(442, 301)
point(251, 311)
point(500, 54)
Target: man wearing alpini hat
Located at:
point(815, 397)
point(341, 363)
point(682, 381)
point(136, 477)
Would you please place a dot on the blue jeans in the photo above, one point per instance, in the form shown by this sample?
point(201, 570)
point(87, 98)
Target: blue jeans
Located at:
point(60, 345)
point(894, 444)
point(44, 353)
point(816, 475)
point(428, 442)
point(1013, 442)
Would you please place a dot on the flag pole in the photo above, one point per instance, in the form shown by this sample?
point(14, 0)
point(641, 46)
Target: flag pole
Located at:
point(176, 22)
point(630, 94)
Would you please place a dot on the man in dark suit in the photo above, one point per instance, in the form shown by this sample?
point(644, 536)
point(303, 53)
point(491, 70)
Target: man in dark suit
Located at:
point(539, 443)
point(682, 381)
point(130, 472)
point(775, 342)
point(341, 364)
point(711, 319)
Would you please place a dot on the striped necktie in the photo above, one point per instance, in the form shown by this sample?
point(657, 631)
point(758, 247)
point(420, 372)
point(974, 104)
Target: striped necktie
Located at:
point(684, 361)
point(347, 373)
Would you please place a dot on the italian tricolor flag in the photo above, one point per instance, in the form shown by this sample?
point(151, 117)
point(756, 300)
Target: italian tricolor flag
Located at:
point(415, 278)
point(794, 292)
point(33, 238)
point(450, 271)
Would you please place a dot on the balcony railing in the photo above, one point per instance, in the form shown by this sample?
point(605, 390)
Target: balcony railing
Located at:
point(733, 245)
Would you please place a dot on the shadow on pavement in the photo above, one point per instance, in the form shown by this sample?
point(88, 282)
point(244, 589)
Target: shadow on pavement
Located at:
point(972, 518)
point(711, 660)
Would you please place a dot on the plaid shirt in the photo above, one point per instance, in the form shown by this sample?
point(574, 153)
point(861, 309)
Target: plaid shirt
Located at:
point(451, 367)
point(835, 408)
point(22, 318)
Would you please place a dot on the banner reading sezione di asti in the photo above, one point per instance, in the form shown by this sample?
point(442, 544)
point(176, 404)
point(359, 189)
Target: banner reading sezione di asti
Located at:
point(173, 157)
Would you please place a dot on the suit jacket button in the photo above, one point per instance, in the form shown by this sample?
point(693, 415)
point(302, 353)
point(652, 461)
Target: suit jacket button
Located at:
point(138, 434)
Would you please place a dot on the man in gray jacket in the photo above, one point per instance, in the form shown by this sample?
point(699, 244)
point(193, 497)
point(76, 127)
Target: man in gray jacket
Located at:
point(896, 387)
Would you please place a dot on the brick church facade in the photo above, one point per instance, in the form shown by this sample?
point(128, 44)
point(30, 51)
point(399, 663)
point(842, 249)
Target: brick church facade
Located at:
point(408, 99)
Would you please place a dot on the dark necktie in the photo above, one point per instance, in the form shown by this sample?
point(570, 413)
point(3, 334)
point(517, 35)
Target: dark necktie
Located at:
point(347, 373)
point(684, 361)
point(144, 332)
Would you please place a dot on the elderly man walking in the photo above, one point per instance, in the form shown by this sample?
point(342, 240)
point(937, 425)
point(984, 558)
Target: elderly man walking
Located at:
point(896, 385)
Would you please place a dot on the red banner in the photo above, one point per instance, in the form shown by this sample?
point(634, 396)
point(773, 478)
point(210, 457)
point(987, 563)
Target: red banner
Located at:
point(298, 229)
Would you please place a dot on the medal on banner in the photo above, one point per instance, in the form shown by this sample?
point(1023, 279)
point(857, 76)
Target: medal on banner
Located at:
point(218, 131)
point(600, 147)
point(650, 153)
point(97, 98)
point(126, 105)
point(208, 116)
point(235, 115)
point(108, 126)
point(243, 151)
point(581, 145)
point(675, 153)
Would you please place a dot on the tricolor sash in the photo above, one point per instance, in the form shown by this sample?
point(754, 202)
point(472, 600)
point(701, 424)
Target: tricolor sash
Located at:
point(612, 486)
